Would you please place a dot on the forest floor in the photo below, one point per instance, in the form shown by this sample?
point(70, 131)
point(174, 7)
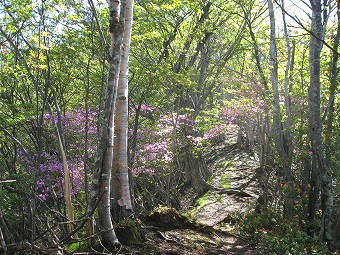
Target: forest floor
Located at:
point(234, 189)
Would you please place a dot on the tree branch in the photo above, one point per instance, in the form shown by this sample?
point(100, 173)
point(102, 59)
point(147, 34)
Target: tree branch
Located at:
point(307, 30)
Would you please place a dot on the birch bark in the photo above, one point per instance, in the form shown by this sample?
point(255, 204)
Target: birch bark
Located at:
point(120, 164)
point(103, 165)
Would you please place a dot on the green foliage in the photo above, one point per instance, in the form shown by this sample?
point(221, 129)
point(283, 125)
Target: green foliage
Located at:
point(298, 243)
point(272, 235)
point(78, 246)
point(210, 179)
point(208, 119)
point(59, 43)
point(227, 164)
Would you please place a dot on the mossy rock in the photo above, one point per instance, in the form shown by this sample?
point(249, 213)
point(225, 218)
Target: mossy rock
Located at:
point(169, 218)
point(129, 232)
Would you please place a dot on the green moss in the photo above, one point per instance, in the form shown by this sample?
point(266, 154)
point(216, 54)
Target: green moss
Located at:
point(225, 181)
point(219, 199)
point(210, 180)
point(202, 201)
point(129, 232)
point(227, 164)
point(163, 210)
point(169, 218)
point(190, 219)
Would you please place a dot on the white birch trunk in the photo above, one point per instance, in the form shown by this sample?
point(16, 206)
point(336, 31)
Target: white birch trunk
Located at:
point(103, 165)
point(121, 123)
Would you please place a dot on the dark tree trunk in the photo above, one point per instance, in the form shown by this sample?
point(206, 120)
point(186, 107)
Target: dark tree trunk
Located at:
point(195, 169)
point(320, 170)
point(333, 87)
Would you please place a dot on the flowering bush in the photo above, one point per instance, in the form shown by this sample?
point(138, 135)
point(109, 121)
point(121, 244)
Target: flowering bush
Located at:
point(47, 164)
point(156, 144)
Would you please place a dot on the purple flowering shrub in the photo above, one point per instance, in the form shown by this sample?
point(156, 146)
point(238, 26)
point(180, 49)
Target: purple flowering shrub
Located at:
point(155, 150)
point(163, 142)
point(238, 110)
point(159, 142)
point(243, 100)
point(158, 145)
point(244, 106)
point(218, 133)
point(47, 166)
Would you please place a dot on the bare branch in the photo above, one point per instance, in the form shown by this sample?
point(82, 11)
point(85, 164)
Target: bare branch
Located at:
point(297, 20)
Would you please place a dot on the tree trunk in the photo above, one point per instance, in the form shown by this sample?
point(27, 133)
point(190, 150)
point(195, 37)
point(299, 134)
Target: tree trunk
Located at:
point(319, 165)
point(195, 169)
point(333, 87)
point(282, 147)
point(120, 165)
point(336, 231)
point(61, 145)
point(329, 125)
point(103, 163)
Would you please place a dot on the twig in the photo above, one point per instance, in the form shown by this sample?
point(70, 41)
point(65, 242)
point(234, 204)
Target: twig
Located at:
point(7, 181)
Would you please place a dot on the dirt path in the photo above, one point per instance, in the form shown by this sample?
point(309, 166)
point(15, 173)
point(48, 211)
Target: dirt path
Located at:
point(234, 182)
point(234, 188)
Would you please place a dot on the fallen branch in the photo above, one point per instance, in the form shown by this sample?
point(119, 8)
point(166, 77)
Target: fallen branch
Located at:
point(27, 248)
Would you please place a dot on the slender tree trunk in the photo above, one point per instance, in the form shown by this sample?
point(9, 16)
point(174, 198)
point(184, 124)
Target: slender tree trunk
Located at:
point(103, 164)
point(67, 184)
point(329, 124)
point(61, 145)
point(183, 55)
point(133, 141)
point(87, 87)
point(67, 179)
point(287, 95)
point(336, 231)
point(282, 145)
point(265, 135)
point(319, 165)
point(333, 86)
point(120, 164)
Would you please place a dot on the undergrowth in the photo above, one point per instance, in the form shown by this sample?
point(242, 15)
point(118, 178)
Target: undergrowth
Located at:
point(273, 235)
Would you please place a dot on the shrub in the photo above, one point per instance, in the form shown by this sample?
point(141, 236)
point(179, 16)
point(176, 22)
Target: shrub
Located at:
point(274, 236)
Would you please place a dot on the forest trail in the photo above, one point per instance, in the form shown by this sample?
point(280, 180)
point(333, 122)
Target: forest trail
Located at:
point(234, 181)
point(234, 188)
